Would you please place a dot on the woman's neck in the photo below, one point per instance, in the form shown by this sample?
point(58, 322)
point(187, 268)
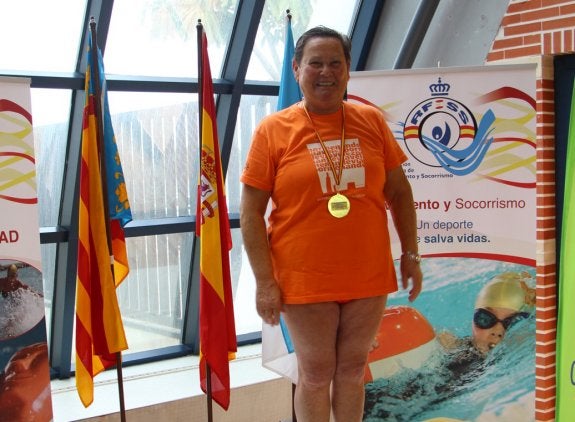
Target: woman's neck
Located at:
point(310, 108)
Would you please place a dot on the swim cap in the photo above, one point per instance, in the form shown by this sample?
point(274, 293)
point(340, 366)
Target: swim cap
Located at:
point(507, 290)
point(12, 270)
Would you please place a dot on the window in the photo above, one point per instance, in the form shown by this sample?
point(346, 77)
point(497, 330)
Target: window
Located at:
point(150, 59)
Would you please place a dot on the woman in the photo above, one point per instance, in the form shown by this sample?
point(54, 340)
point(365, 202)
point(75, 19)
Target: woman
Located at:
point(330, 169)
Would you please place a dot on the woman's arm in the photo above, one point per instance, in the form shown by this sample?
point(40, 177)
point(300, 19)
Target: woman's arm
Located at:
point(253, 207)
point(399, 198)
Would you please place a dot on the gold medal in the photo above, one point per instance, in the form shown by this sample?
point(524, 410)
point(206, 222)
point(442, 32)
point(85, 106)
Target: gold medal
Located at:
point(338, 205)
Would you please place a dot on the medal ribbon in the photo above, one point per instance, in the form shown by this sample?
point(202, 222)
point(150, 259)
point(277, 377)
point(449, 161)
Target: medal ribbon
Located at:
point(336, 176)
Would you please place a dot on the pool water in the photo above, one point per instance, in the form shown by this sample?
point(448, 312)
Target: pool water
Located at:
point(499, 388)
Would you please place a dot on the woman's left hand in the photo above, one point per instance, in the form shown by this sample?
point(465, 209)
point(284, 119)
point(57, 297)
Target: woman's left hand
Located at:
point(410, 270)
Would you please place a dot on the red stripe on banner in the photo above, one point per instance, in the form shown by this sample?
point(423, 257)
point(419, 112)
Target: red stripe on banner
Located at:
point(506, 92)
point(388, 117)
point(491, 256)
point(514, 139)
point(19, 200)
point(7, 105)
point(18, 154)
point(525, 185)
point(33, 200)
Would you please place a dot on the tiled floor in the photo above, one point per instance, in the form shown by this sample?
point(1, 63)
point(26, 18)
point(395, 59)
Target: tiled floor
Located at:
point(150, 384)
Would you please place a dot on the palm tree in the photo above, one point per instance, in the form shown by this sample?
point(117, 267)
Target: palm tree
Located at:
point(178, 18)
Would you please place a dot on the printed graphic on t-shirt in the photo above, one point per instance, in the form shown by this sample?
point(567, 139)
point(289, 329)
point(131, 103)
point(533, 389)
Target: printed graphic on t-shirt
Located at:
point(353, 174)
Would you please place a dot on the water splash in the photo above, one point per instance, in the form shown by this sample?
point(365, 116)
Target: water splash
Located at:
point(20, 311)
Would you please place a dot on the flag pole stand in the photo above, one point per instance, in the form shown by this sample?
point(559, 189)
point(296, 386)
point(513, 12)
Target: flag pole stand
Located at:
point(293, 416)
point(209, 389)
point(120, 386)
point(101, 154)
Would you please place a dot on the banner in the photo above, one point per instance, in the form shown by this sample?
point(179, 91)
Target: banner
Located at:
point(565, 411)
point(469, 134)
point(25, 377)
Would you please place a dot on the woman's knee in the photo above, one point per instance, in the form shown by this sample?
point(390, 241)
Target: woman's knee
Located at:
point(317, 375)
point(352, 370)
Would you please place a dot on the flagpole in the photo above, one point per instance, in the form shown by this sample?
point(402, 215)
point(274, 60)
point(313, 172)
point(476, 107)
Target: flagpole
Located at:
point(285, 99)
point(95, 72)
point(293, 386)
point(200, 31)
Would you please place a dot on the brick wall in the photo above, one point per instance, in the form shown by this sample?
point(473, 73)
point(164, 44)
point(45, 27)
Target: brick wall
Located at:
point(533, 28)
point(541, 29)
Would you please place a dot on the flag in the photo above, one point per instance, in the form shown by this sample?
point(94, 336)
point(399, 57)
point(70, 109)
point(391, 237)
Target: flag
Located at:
point(565, 411)
point(99, 329)
point(289, 89)
point(278, 354)
point(217, 327)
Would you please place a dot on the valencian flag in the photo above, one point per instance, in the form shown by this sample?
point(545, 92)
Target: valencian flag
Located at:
point(278, 354)
point(217, 327)
point(565, 411)
point(99, 329)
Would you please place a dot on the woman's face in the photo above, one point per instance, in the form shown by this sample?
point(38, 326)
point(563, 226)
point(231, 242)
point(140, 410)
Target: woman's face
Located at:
point(486, 339)
point(322, 74)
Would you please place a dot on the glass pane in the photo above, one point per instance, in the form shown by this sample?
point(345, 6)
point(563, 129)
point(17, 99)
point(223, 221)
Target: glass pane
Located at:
point(244, 287)
point(152, 299)
point(157, 136)
point(159, 37)
point(48, 263)
point(41, 36)
point(266, 61)
point(50, 115)
point(252, 109)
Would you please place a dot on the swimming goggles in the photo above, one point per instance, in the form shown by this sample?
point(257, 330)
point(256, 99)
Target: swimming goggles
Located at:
point(484, 319)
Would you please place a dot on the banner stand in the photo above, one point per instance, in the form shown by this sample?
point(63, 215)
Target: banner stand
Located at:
point(25, 379)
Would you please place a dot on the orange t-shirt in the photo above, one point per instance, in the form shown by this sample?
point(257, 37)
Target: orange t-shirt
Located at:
point(318, 257)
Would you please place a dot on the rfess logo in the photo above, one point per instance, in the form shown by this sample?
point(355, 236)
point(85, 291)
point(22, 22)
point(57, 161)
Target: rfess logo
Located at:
point(442, 132)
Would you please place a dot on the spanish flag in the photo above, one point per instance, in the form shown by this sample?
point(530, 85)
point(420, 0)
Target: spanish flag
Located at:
point(99, 329)
point(217, 327)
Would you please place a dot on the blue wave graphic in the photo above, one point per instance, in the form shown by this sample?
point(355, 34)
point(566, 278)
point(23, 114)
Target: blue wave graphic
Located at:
point(466, 160)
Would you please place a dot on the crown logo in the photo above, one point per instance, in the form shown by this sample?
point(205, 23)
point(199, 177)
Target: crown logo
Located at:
point(439, 89)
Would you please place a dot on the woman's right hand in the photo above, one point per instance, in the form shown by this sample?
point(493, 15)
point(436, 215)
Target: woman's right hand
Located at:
point(269, 301)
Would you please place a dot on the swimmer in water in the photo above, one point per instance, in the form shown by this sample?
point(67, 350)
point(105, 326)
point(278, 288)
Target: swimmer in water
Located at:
point(21, 306)
point(502, 302)
point(11, 284)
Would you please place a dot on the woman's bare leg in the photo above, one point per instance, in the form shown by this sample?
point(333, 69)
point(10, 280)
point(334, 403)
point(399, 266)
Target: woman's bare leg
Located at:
point(313, 329)
point(358, 325)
